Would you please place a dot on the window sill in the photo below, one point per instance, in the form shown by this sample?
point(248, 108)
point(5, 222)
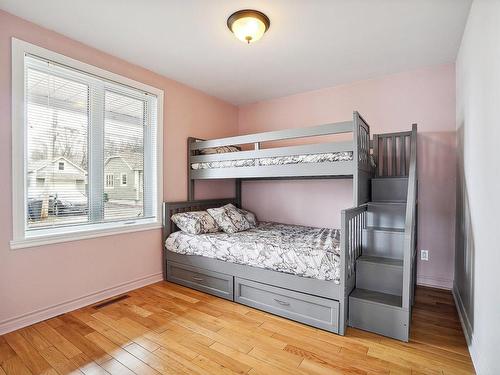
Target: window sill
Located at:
point(82, 234)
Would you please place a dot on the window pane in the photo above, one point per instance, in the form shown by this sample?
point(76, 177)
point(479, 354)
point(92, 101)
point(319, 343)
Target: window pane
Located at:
point(86, 141)
point(57, 123)
point(123, 156)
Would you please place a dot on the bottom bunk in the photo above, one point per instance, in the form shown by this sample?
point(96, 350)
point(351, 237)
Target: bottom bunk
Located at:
point(294, 249)
point(297, 272)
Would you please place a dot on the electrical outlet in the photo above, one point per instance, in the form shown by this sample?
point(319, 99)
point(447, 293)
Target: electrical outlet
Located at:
point(424, 254)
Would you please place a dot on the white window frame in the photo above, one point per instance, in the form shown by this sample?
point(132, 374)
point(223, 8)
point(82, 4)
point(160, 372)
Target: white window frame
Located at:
point(19, 144)
point(121, 179)
point(112, 186)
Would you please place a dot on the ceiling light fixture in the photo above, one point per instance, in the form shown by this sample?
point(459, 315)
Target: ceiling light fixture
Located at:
point(248, 25)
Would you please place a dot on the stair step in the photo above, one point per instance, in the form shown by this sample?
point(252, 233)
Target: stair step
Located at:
point(380, 274)
point(389, 189)
point(383, 242)
point(379, 313)
point(388, 202)
point(385, 229)
point(376, 297)
point(386, 214)
point(398, 263)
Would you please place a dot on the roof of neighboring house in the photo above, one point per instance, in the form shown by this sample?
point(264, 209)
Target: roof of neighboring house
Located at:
point(134, 161)
point(35, 166)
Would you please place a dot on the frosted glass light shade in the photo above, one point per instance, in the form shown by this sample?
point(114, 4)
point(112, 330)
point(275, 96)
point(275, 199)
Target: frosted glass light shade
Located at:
point(248, 25)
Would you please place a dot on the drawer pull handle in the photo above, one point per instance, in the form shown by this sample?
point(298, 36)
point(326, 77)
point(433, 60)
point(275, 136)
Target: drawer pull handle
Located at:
point(197, 279)
point(283, 303)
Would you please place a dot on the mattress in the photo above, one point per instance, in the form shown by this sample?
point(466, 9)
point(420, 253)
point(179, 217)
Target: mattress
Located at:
point(298, 250)
point(277, 160)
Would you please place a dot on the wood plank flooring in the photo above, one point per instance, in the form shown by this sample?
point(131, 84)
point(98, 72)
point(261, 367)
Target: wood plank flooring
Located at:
point(168, 329)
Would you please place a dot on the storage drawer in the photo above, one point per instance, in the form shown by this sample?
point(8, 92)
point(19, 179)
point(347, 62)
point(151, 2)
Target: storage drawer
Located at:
point(218, 284)
point(316, 311)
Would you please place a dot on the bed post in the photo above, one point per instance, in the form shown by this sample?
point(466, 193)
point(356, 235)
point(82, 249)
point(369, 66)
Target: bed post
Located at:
point(355, 158)
point(190, 181)
point(343, 295)
point(237, 191)
point(363, 170)
point(164, 234)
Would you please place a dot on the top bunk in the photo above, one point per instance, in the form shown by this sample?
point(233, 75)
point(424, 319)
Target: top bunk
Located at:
point(244, 157)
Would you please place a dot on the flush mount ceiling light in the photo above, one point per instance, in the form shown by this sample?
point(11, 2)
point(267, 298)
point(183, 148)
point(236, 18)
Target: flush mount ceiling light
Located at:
point(248, 25)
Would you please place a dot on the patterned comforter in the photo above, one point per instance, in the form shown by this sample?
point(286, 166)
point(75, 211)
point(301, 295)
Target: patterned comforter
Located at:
point(304, 251)
point(277, 160)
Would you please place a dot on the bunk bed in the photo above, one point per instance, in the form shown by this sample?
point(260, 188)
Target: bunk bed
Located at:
point(314, 299)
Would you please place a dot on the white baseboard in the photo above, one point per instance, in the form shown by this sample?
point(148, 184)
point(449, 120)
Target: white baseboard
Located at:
point(435, 282)
point(36, 316)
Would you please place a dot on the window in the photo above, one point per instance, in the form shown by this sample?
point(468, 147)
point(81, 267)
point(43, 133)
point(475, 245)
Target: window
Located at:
point(124, 179)
point(110, 180)
point(74, 128)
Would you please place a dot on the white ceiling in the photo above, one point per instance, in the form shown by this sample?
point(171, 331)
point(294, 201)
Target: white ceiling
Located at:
point(311, 44)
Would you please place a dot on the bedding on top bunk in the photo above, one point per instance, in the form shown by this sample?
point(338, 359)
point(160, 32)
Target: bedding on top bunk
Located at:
point(299, 250)
point(277, 160)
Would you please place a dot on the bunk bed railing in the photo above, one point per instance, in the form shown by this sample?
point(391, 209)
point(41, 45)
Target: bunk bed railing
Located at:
point(410, 237)
point(277, 135)
point(351, 238)
point(353, 221)
point(391, 153)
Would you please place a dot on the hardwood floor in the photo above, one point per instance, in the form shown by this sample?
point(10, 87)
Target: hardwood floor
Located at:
point(168, 329)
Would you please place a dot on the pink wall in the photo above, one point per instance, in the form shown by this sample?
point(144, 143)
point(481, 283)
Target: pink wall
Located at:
point(390, 103)
point(36, 281)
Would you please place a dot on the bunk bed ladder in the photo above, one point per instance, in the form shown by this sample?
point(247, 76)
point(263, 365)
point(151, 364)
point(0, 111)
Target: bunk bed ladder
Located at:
point(385, 271)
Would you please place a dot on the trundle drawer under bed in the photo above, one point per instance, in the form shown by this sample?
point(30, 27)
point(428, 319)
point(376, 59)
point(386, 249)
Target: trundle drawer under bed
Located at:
point(301, 307)
point(218, 284)
point(305, 308)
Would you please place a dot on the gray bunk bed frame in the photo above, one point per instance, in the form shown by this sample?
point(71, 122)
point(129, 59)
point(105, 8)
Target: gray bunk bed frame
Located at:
point(319, 303)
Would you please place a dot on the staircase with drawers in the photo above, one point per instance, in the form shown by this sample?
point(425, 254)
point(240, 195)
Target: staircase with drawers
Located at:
point(385, 272)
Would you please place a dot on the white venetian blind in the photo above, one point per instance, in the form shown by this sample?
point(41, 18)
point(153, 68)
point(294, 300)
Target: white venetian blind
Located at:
point(90, 155)
point(124, 123)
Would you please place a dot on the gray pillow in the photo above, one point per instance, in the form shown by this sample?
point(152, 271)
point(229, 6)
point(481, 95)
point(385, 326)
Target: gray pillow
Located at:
point(195, 222)
point(232, 219)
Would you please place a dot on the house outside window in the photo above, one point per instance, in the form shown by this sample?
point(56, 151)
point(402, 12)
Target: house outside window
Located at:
point(75, 127)
point(110, 181)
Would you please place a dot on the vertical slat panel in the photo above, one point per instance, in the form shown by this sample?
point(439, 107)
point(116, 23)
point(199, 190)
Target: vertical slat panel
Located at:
point(357, 235)
point(380, 156)
point(353, 253)
point(400, 142)
point(404, 154)
point(391, 154)
point(393, 162)
point(385, 157)
point(353, 222)
point(360, 217)
point(399, 145)
point(350, 246)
